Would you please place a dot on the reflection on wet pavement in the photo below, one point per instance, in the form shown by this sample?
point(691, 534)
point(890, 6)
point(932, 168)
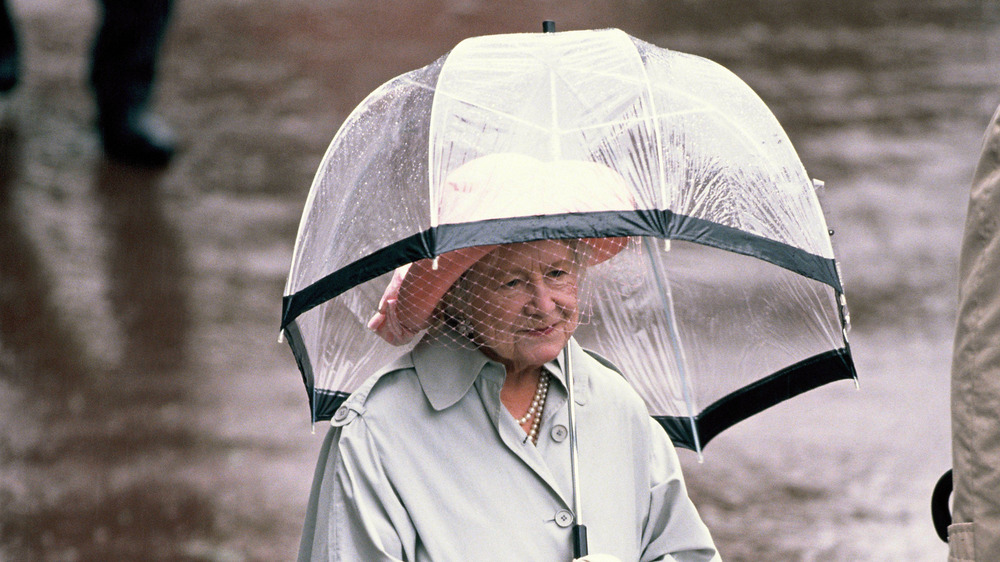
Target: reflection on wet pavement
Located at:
point(70, 424)
point(147, 270)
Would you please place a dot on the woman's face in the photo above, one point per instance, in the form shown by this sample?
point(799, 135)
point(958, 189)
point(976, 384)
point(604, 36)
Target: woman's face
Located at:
point(521, 301)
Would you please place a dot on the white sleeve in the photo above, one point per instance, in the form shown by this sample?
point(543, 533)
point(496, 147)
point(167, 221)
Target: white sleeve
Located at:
point(353, 513)
point(674, 530)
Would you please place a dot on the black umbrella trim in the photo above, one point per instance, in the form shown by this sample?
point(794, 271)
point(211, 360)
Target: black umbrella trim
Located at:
point(658, 224)
point(301, 355)
point(327, 402)
point(724, 413)
point(752, 399)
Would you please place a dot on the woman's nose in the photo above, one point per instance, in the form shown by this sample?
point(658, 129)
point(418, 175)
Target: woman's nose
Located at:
point(542, 299)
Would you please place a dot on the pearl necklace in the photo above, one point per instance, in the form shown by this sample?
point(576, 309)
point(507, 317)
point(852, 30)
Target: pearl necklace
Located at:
point(534, 412)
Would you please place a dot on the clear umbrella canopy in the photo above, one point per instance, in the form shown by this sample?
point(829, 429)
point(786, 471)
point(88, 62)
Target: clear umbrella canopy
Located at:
point(716, 295)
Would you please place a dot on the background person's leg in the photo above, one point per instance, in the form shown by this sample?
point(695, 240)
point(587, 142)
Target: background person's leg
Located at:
point(123, 74)
point(9, 64)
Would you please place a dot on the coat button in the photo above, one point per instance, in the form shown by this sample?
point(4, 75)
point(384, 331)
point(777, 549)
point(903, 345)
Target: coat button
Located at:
point(341, 414)
point(559, 433)
point(564, 518)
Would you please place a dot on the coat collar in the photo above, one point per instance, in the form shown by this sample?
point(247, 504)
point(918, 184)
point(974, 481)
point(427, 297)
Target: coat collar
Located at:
point(447, 369)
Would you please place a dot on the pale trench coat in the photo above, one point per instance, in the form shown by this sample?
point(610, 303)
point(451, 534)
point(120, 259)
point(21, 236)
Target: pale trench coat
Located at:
point(975, 394)
point(424, 463)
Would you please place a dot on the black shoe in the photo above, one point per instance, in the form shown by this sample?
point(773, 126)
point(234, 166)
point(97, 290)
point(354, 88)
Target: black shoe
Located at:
point(145, 142)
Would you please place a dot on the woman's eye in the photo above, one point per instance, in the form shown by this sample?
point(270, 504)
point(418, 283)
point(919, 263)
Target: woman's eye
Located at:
point(512, 283)
point(557, 273)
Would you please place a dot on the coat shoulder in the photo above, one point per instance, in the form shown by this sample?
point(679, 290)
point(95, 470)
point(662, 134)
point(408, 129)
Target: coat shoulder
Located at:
point(609, 382)
point(379, 393)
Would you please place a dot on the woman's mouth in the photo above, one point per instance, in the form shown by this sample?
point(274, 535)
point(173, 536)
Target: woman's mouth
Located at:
point(540, 332)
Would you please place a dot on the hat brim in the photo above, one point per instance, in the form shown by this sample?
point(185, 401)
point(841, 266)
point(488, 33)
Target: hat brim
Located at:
point(423, 286)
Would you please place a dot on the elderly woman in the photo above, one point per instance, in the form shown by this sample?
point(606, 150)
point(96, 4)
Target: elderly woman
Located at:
point(458, 450)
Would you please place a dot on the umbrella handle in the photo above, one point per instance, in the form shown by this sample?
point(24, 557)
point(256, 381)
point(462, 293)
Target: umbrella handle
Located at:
point(579, 534)
point(580, 541)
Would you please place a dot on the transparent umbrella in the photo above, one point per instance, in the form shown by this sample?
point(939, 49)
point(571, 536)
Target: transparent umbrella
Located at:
point(724, 297)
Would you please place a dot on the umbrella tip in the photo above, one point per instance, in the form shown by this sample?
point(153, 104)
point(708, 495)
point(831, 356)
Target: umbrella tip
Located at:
point(548, 26)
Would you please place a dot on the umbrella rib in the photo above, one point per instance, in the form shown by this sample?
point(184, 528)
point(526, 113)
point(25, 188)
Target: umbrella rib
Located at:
point(651, 117)
point(657, 136)
point(603, 124)
point(663, 291)
point(503, 114)
point(744, 135)
point(655, 115)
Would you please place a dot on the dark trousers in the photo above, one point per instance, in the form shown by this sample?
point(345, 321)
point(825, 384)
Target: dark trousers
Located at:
point(124, 56)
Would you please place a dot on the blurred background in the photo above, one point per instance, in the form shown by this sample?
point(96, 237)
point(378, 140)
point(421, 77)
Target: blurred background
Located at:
point(147, 410)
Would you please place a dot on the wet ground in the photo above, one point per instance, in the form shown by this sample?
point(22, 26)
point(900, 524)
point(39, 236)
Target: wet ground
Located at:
point(148, 412)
